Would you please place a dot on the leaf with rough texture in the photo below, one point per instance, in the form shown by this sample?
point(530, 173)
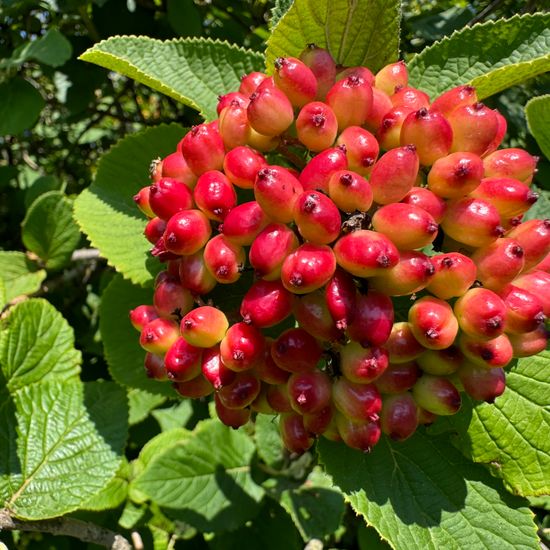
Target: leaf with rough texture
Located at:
point(120, 339)
point(357, 32)
point(20, 274)
point(491, 56)
point(316, 508)
point(141, 403)
point(205, 480)
point(278, 11)
point(113, 494)
point(70, 445)
point(513, 434)
point(423, 493)
point(175, 416)
point(194, 71)
point(106, 211)
point(537, 112)
point(268, 439)
point(49, 230)
point(37, 344)
point(3, 294)
point(51, 49)
point(20, 107)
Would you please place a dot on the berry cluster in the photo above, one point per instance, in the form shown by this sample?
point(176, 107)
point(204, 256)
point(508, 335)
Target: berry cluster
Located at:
point(348, 195)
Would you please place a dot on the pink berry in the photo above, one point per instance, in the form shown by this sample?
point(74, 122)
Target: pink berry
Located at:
point(242, 347)
point(510, 163)
point(270, 112)
point(316, 126)
point(158, 335)
point(454, 98)
point(141, 315)
point(227, 99)
point(381, 104)
point(351, 101)
point(389, 77)
point(474, 128)
point(195, 388)
point(296, 80)
point(340, 296)
point(320, 168)
point(295, 350)
point(214, 195)
point(454, 275)
point(183, 361)
point(427, 200)
point(372, 319)
point(309, 391)
point(234, 418)
point(410, 97)
point(244, 222)
point(322, 65)
point(224, 259)
point(214, 370)
point(234, 126)
point(203, 149)
point(433, 323)
point(204, 326)
point(168, 197)
point(312, 314)
point(358, 402)
point(242, 164)
point(293, 433)
point(317, 217)
point(497, 352)
point(266, 303)
point(194, 275)
point(362, 436)
point(455, 175)
point(389, 129)
point(171, 299)
point(154, 367)
point(350, 191)
point(249, 82)
point(481, 383)
point(401, 344)
point(241, 392)
point(141, 198)
point(361, 149)
point(524, 311)
point(534, 238)
point(362, 365)
point(187, 232)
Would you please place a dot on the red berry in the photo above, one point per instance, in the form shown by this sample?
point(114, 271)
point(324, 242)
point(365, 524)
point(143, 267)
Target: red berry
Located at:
point(394, 174)
point(187, 232)
point(295, 350)
point(154, 367)
point(214, 195)
point(194, 275)
point(194, 389)
point(312, 314)
point(308, 268)
point(497, 352)
point(427, 200)
point(351, 101)
point(204, 326)
point(358, 402)
point(214, 370)
point(534, 238)
point(381, 104)
point(203, 149)
point(171, 299)
point(398, 377)
point(234, 127)
point(410, 97)
point(365, 253)
point(168, 197)
point(296, 80)
point(454, 98)
point(234, 418)
point(502, 126)
point(293, 433)
point(389, 130)
point(372, 319)
point(141, 198)
point(154, 230)
point(480, 313)
point(358, 435)
point(436, 395)
point(455, 175)
point(340, 296)
point(529, 343)
point(454, 275)
point(309, 392)
point(224, 259)
point(320, 168)
point(322, 65)
point(350, 191)
point(401, 344)
point(276, 190)
point(362, 365)
point(278, 399)
point(318, 422)
point(433, 323)
point(429, 132)
point(268, 371)
point(158, 335)
point(481, 383)
point(317, 217)
point(538, 283)
point(510, 163)
point(174, 166)
point(141, 315)
point(242, 164)
point(250, 81)
point(182, 361)
point(361, 149)
point(242, 347)
point(270, 248)
point(389, 77)
point(241, 392)
point(316, 126)
point(524, 311)
point(474, 128)
point(399, 416)
point(226, 100)
point(270, 112)
point(266, 303)
point(361, 72)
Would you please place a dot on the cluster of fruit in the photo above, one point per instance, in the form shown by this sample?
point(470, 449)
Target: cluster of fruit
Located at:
point(409, 276)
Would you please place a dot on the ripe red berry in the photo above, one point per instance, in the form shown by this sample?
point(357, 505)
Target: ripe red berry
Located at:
point(317, 217)
point(454, 98)
point(309, 392)
point(372, 319)
point(454, 275)
point(529, 343)
point(203, 149)
point(266, 303)
point(194, 275)
point(340, 296)
point(296, 80)
point(510, 163)
point(361, 149)
point(362, 365)
point(358, 435)
point(316, 126)
point(394, 174)
point(158, 335)
point(214, 370)
point(351, 101)
point(214, 195)
point(154, 229)
point(481, 383)
point(401, 344)
point(295, 350)
point(433, 323)
point(234, 418)
point(358, 402)
point(497, 352)
point(234, 127)
point(174, 166)
point(427, 200)
point(524, 311)
point(224, 259)
point(242, 164)
point(204, 326)
point(268, 371)
point(322, 65)
point(534, 238)
point(455, 175)
point(270, 112)
point(437, 395)
point(474, 128)
point(183, 361)
point(227, 99)
point(398, 377)
point(276, 189)
point(399, 416)
point(308, 268)
point(320, 168)
point(141, 198)
point(242, 347)
point(312, 314)
point(410, 97)
point(318, 422)
point(429, 132)
point(241, 392)
point(381, 104)
point(141, 315)
point(194, 389)
point(293, 433)
point(389, 77)
point(278, 399)
point(350, 191)
point(365, 253)
point(154, 367)
point(187, 232)
point(172, 299)
point(538, 283)
point(250, 81)
point(168, 197)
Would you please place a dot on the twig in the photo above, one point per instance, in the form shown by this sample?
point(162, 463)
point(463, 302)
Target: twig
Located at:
point(293, 158)
point(84, 531)
point(83, 254)
point(486, 11)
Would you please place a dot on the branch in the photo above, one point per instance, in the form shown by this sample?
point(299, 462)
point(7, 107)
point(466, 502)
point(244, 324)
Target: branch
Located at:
point(86, 532)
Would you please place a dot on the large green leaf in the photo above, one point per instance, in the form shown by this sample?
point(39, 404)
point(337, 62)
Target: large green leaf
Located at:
point(51, 49)
point(194, 71)
point(20, 274)
point(106, 211)
point(36, 344)
point(20, 106)
point(49, 230)
point(362, 32)
point(69, 445)
point(491, 56)
point(205, 479)
point(537, 112)
point(121, 340)
point(141, 403)
point(513, 434)
point(423, 493)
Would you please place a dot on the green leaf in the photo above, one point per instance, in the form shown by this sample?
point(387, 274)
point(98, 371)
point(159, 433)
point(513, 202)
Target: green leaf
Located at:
point(121, 340)
point(362, 32)
point(423, 493)
point(20, 107)
point(537, 112)
point(113, 494)
point(69, 445)
point(513, 434)
point(491, 56)
point(194, 71)
point(279, 10)
point(205, 480)
point(37, 344)
point(268, 439)
point(49, 230)
point(141, 403)
point(51, 49)
point(39, 186)
point(20, 274)
point(3, 294)
point(541, 209)
point(175, 416)
point(315, 508)
point(106, 211)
